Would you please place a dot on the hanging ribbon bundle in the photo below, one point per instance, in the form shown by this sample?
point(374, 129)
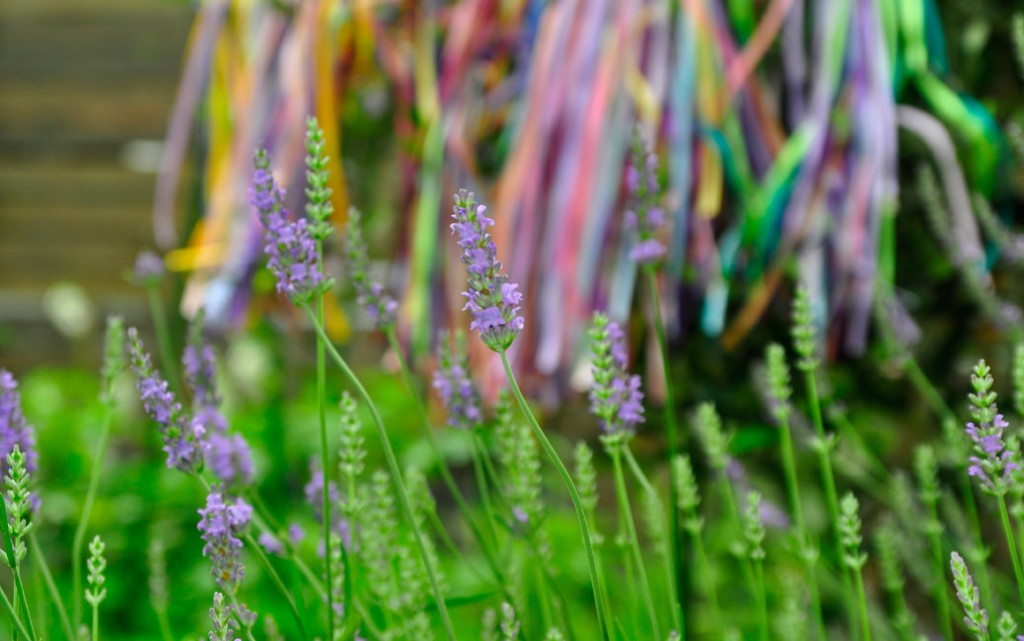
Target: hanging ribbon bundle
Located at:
point(776, 125)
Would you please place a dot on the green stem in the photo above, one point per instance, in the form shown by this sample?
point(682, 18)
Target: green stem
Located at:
point(670, 575)
point(163, 337)
point(795, 504)
point(18, 625)
point(164, 624)
point(95, 623)
point(325, 456)
point(934, 530)
point(51, 585)
point(712, 592)
point(276, 580)
point(83, 523)
point(634, 542)
point(862, 604)
point(828, 478)
point(482, 485)
point(396, 475)
point(762, 601)
point(673, 437)
point(1012, 544)
point(581, 515)
point(446, 474)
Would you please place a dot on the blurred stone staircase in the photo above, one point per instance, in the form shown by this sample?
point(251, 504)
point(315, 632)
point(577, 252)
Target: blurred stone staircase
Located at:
point(85, 91)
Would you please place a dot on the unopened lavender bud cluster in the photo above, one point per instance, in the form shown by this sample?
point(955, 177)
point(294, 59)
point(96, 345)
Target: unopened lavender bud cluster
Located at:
point(453, 384)
point(645, 216)
point(292, 253)
point(615, 397)
point(15, 431)
point(491, 298)
point(371, 295)
point(223, 522)
point(992, 462)
point(181, 443)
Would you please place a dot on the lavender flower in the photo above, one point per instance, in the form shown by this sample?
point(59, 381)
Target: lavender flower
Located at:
point(180, 436)
point(645, 217)
point(491, 298)
point(229, 458)
point(200, 365)
point(992, 461)
point(227, 455)
point(222, 523)
point(370, 294)
point(615, 397)
point(453, 384)
point(220, 616)
point(292, 253)
point(14, 429)
point(149, 269)
point(314, 492)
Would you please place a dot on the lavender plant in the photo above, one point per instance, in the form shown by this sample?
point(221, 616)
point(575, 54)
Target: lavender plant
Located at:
point(754, 533)
point(993, 462)
point(975, 616)
point(494, 302)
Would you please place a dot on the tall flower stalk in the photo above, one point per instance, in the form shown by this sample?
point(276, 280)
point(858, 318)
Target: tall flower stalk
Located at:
point(754, 533)
point(853, 559)
point(318, 210)
point(645, 219)
point(494, 304)
point(993, 463)
point(616, 400)
point(805, 344)
point(380, 306)
point(113, 364)
point(926, 469)
point(780, 390)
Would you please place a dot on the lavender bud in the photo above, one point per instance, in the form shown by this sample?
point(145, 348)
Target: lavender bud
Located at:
point(371, 295)
point(615, 396)
point(976, 617)
point(992, 462)
point(19, 504)
point(318, 195)
point(849, 532)
point(708, 425)
point(509, 624)
point(222, 524)
point(314, 492)
point(220, 616)
point(1006, 628)
point(779, 387)
point(452, 381)
point(113, 355)
point(97, 564)
point(586, 476)
point(687, 493)
point(353, 445)
point(753, 528)
point(490, 297)
point(805, 331)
